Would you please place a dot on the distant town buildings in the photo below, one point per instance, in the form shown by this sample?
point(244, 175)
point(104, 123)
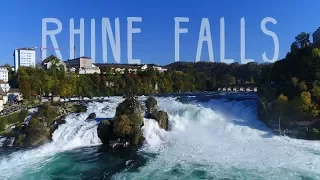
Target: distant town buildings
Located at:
point(24, 57)
point(79, 63)
point(4, 75)
point(132, 68)
point(159, 68)
point(83, 64)
point(316, 37)
point(91, 70)
point(27, 57)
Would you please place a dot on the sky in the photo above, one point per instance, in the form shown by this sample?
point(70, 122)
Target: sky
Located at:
point(21, 26)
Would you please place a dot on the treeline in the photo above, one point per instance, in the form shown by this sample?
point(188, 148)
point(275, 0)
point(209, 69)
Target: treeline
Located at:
point(187, 77)
point(294, 94)
point(227, 74)
point(57, 82)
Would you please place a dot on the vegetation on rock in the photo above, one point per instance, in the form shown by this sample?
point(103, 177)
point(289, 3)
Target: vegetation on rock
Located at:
point(12, 119)
point(126, 126)
point(41, 125)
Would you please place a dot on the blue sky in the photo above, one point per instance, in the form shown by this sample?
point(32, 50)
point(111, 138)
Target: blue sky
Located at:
point(21, 23)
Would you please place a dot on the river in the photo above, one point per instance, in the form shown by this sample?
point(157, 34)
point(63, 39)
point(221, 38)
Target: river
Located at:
point(212, 136)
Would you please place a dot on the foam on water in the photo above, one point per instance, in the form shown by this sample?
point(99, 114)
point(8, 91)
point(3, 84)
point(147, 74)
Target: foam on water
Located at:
point(75, 133)
point(219, 139)
point(223, 139)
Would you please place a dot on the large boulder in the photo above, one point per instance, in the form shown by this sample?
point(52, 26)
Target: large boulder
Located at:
point(151, 105)
point(92, 116)
point(162, 118)
point(105, 131)
point(37, 133)
point(126, 127)
point(152, 112)
point(129, 106)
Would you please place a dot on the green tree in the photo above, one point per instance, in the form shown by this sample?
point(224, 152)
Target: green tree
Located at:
point(25, 89)
point(303, 86)
point(303, 39)
point(294, 81)
point(316, 92)
point(228, 79)
point(315, 52)
point(294, 48)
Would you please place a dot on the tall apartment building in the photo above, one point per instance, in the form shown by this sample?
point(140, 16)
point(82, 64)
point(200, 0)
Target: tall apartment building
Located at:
point(24, 57)
point(4, 75)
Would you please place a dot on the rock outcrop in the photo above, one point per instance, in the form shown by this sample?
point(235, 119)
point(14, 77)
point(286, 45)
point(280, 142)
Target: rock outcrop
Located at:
point(91, 116)
point(152, 112)
point(38, 130)
point(126, 126)
point(105, 131)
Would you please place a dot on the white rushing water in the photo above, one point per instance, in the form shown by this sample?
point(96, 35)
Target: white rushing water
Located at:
point(223, 140)
point(216, 140)
point(74, 134)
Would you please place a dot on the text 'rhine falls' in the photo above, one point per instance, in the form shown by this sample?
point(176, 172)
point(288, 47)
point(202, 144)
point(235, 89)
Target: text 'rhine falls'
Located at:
point(210, 136)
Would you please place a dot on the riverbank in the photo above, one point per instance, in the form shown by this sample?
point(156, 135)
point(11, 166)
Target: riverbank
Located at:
point(36, 125)
point(293, 117)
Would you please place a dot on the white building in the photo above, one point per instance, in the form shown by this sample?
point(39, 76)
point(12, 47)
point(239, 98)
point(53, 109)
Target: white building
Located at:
point(89, 71)
point(24, 57)
point(4, 86)
point(4, 74)
point(159, 69)
point(144, 67)
point(53, 60)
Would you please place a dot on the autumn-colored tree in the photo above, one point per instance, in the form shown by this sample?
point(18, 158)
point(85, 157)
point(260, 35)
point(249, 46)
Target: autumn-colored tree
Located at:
point(25, 89)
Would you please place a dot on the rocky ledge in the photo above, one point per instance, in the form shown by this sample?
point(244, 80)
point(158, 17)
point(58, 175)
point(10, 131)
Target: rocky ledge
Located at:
point(38, 128)
point(125, 129)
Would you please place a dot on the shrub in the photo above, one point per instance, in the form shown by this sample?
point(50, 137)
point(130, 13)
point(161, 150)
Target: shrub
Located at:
point(316, 92)
point(294, 81)
point(302, 86)
point(34, 122)
point(123, 126)
point(12, 119)
point(282, 98)
point(305, 106)
point(79, 108)
point(47, 113)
